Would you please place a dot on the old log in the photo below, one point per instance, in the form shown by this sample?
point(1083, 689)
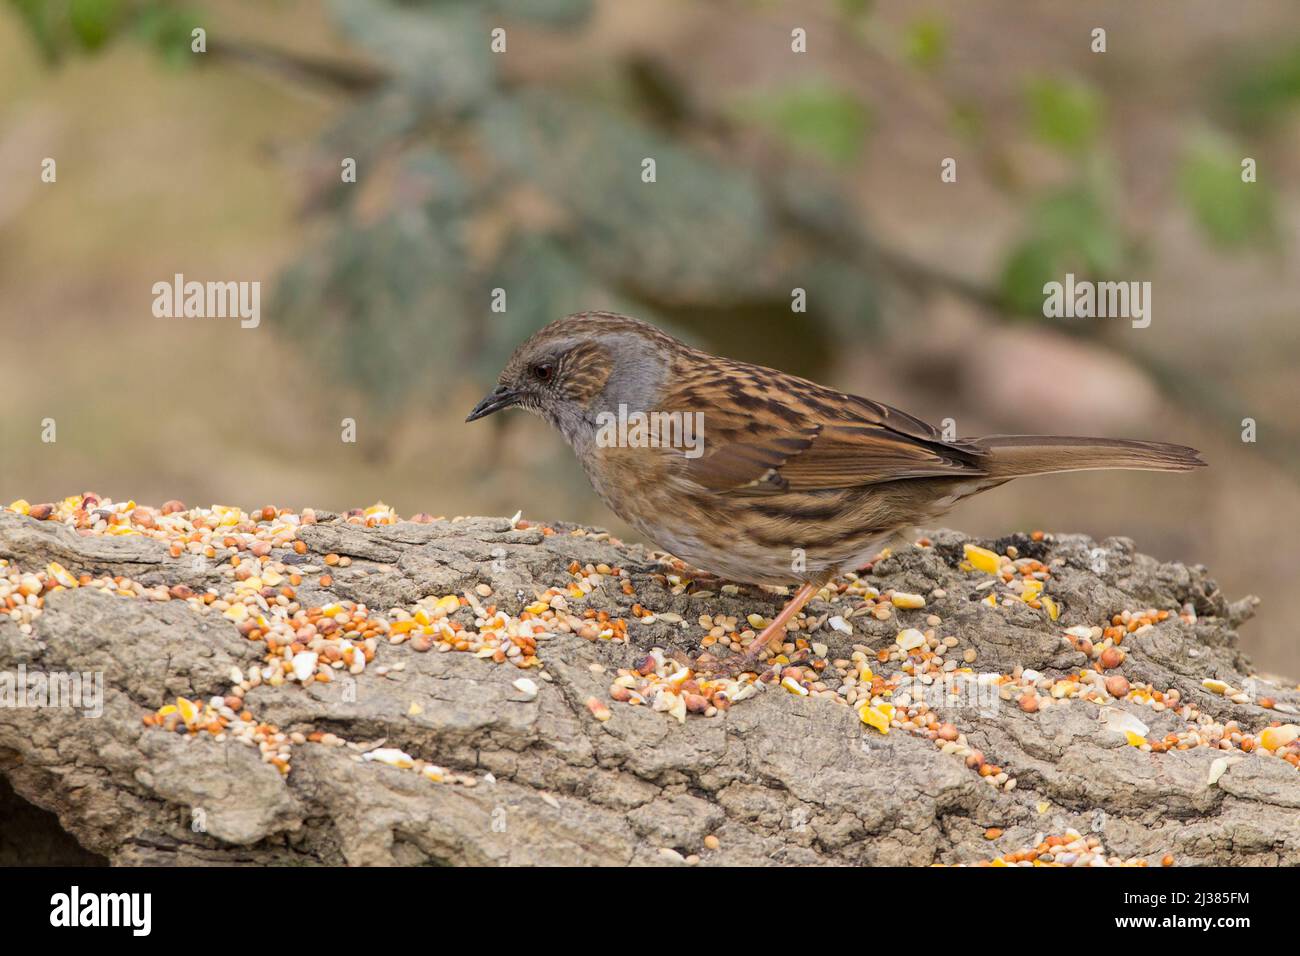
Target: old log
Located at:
point(507, 774)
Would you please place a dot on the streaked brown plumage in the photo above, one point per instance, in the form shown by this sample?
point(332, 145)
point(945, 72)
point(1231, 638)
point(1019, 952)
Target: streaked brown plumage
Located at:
point(796, 482)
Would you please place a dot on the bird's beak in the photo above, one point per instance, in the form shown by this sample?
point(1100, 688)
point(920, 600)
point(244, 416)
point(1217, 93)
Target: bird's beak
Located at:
point(495, 400)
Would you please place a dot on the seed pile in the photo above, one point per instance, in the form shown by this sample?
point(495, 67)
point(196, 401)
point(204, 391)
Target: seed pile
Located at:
point(924, 668)
point(22, 593)
point(674, 688)
point(1023, 578)
point(901, 686)
point(303, 644)
point(1068, 849)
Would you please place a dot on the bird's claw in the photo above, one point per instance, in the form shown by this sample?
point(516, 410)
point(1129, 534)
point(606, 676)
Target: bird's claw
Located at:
point(707, 666)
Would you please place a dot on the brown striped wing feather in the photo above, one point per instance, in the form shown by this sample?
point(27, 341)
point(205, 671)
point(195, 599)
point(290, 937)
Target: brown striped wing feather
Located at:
point(766, 432)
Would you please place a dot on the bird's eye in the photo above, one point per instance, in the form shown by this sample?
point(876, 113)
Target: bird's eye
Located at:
point(543, 371)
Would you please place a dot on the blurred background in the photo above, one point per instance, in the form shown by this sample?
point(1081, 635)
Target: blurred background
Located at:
point(775, 170)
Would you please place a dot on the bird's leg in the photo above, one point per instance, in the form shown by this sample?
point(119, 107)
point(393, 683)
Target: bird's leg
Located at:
point(740, 663)
point(649, 566)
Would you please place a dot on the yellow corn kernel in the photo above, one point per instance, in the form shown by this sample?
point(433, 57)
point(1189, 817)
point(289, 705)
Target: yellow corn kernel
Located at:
point(1274, 737)
point(982, 559)
point(878, 716)
point(910, 639)
point(188, 710)
point(60, 574)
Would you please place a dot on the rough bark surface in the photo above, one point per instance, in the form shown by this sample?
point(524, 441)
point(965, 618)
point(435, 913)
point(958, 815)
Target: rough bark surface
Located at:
point(779, 779)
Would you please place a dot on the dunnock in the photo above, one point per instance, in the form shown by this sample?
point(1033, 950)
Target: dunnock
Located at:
point(756, 475)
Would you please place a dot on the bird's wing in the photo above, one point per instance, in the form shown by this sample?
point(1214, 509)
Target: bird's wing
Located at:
point(767, 432)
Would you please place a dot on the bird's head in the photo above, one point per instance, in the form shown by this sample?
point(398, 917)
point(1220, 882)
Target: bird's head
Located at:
point(580, 365)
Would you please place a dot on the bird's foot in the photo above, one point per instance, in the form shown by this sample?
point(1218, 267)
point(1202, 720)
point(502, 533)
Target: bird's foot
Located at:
point(708, 667)
point(648, 566)
point(737, 664)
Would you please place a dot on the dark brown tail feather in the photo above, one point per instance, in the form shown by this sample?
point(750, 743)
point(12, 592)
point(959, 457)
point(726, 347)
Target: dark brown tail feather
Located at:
point(1015, 456)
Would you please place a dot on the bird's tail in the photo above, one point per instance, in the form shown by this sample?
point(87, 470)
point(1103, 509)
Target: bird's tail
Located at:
point(1015, 456)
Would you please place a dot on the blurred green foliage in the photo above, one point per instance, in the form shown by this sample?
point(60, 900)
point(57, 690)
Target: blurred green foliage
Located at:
point(437, 52)
point(701, 241)
point(1069, 230)
point(815, 117)
point(62, 27)
point(397, 293)
point(93, 20)
point(396, 296)
point(927, 42)
point(853, 9)
point(1064, 113)
point(58, 25)
point(1264, 88)
point(1233, 213)
point(1076, 229)
point(166, 28)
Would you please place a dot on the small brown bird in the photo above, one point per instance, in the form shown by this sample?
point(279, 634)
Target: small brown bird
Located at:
point(755, 475)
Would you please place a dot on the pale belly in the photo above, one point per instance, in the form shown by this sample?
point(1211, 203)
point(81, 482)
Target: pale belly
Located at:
point(737, 560)
point(719, 544)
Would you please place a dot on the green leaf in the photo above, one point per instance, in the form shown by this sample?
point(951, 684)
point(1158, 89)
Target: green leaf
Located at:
point(816, 118)
point(166, 28)
point(1029, 266)
point(37, 15)
point(1075, 220)
point(1232, 213)
point(93, 21)
point(1265, 88)
point(62, 26)
point(1066, 114)
point(927, 43)
point(1069, 230)
point(855, 9)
